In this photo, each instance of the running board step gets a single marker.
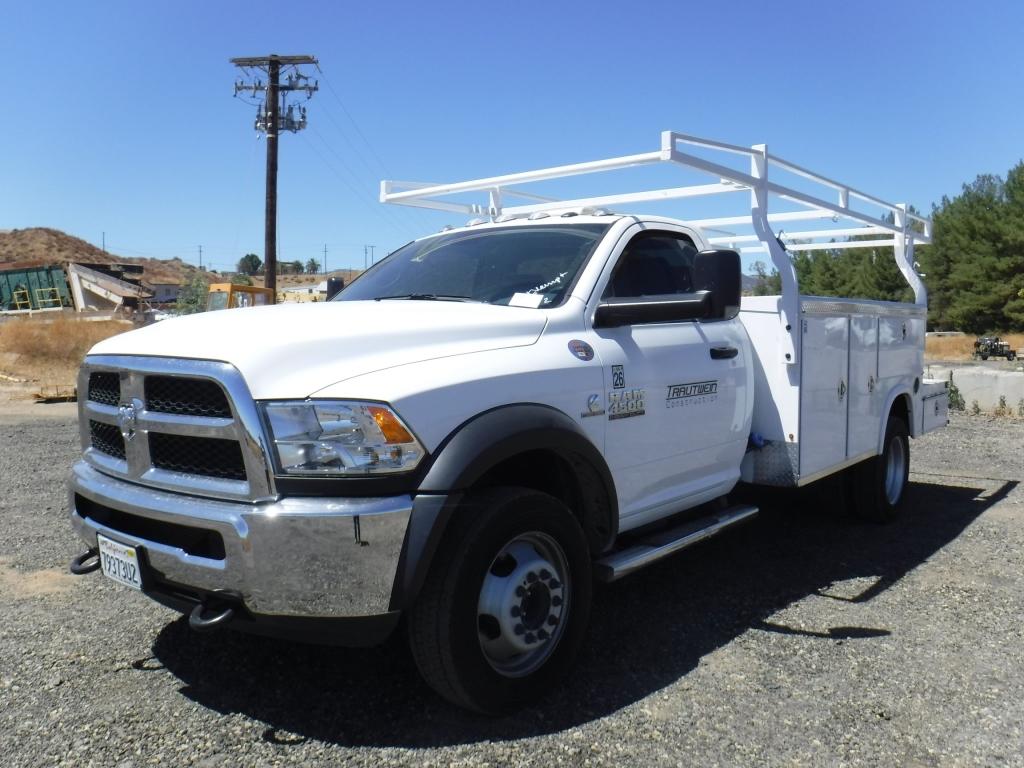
(664, 543)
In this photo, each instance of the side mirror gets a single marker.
(653, 309)
(718, 272)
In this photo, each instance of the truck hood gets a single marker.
(294, 350)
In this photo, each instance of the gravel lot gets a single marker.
(802, 639)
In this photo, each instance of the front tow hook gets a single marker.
(207, 623)
(81, 565)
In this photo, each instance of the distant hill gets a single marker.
(39, 246)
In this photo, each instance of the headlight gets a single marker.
(338, 437)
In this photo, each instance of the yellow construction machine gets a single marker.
(230, 296)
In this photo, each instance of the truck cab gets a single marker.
(487, 422)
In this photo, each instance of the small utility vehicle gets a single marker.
(992, 346)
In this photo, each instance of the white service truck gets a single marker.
(495, 416)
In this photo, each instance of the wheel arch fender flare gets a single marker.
(493, 436)
(897, 392)
(468, 453)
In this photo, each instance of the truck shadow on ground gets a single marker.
(668, 617)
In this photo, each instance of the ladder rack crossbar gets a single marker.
(697, 141)
(844, 246)
(810, 234)
(824, 180)
(674, 193)
(489, 184)
(774, 218)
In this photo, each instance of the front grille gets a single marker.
(106, 438)
(105, 387)
(187, 397)
(206, 456)
(194, 421)
(200, 542)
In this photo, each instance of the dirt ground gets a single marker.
(803, 638)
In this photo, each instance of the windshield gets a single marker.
(524, 266)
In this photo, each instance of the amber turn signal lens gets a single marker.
(389, 424)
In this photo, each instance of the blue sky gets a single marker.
(121, 117)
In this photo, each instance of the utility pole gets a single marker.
(325, 258)
(368, 256)
(269, 120)
(200, 257)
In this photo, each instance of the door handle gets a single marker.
(723, 353)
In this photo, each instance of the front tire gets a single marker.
(880, 483)
(506, 604)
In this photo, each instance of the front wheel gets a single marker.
(506, 603)
(880, 483)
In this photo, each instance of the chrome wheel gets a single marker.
(895, 470)
(523, 604)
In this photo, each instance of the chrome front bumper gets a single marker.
(296, 557)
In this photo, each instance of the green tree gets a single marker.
(768, 284)
(240, 279)
(312, 266)
(975, 265)
(250, 264)
(1013, 247)
(192, 297)
(825, 278)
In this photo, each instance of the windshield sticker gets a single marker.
(618, 377)
(581, 350)
(594, 407)
(530, 300)
(549, 284)
(622, 405)
(693, 393)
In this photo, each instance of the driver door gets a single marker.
(676, 391)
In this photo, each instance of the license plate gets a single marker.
(120, 562)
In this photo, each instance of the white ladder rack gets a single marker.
(904, 231)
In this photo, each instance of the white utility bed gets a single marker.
(824, 412)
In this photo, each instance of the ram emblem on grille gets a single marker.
(126, 414)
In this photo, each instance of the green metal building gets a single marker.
(34, 288)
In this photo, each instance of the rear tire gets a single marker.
(880, 483)
(506, 604)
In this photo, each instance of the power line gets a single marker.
(411, 213)
(330, 87)
(355, 192)
(384, 211)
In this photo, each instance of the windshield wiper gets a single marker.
(426, 297)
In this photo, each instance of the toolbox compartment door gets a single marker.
(824, 393)
(935, 404)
